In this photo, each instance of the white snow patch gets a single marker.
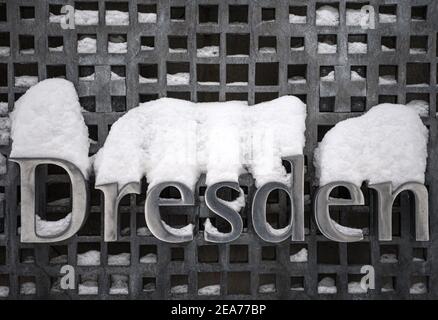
(143, 231)
(52, 228)
(88, 287)
(356, 288)
(355, 17)
(327, 286)
(357, 47)
(294, 18)
(121, 259)
(28, 288)
(115, 76)
(388, 258)
(267, 288)
(148, 17)
(418, 288)
(50, 109)
(327, 48)
(5, 51)
(208, 52)
(296, 80)
(89, 258)
(90, 77)
(119, 284)
(211, 290)
(179, 289)
(327, 16)
(329, 77)
(142, 79)
(222, 140)
(387, 18)
(117, 45)
(388, 143)
(355, 76)
(387, 80)
(417, 51)
(56, 49)
(116, 18)
(149, 258)
(300, 256)
(26, 81)
(387, 49)
(177, 79)
(86, 17)
(184, 231)
(420, 106)
(87, 45)
(4, 291)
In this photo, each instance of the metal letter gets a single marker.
(152, 211)
(28, 198)
(112, 199)
(323, 201)
(68, 280)
(386, 200)
(222, 209)
(296, 225)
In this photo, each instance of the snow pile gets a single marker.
(223, 140)
(211, 290)
(178, 79)
(418, 288)
(26, 81)
(356, 288)
(115, 76)
(327, 48)
(88, 285)
(300, 256)
(5, 51)
(357, 47)
(149, 258)
(387, 18)
(149, 287)
(329, 77)
(89, 258)
(117, 44)
(327, 285)
(147, 17)
(387, 80)
(50, 109)
(327, 16)
(388, 143)
(121, 259)
(267, 288)
(294, 18)
(420, 106)
(4, 291)
(119, 284)
(5, 127)
(417, 51)
(387, 49)
(142, 79)
(179, 289)
(87, 45)
(388, 258)
(86, 17)
(208, 52)
(116, 18)
(28, 288)
(3, 108)
(52, 228)
(296, 80)
(355, 76)
(61, 259)
(355, 17)
(144, 232)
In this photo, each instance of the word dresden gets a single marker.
(295, 229)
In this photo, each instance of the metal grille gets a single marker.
(241, 29)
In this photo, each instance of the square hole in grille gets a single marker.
(3, 12)
(27, 285)
(266, 74)
(119, 254)
(238, 14)
(238, 254)
(208, 253)
(268, 14)
(179, 284)
(328, 253)
(388, 13)
(209, 283)
(148, 254)
(418, 45)
(388, 254)
(58, 254)
(239, 283)
(26, 44)
(297, 43)
(208, 14)
(358, 253)
(418, 74)
(147, 13)
(237, 74)
(208, 74)
(177, 14)
(297, 283)
(177, 44)
(27, 13)
(418, 13)
(298, 14)
(238, 44)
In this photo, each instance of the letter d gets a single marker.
(28, 198)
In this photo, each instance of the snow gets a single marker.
(387, 80)
(179, 289)
(115, 76)
(418, 288)
(86, 17)
(356, 288)
(300, 256)
(177, 50)
(388, 143)
(50, 109)
(296, 80)
(117, 47)
(326, 48)
(146, 48)
(55, 18)
(87, 45)
(147, 17)
(27, 51)
(420, 106)
(119, 284)
(52, 228)
(356, 16)
(327, 16)
(357, 47)
(143, 231)
(142, 79)
(148, 287)
(56, 49)
(177, 79)
(4, 291)
(149, 258)
(3, 165)
(89, 258)
(388, 258)
(355, 76)
(417, 51)
(90, 77)
(222, 140)
(116, 18)
(61, 259)
(28, 288)
(329, 77)
(327, 286)
(294, 18)
(267, 50)
(26, 81)
(267, 288)
(183, 231)
(5, 51)
(88, 287)
(208, 52)
(297, 48)
(387, 49)
(211, 290)
(387, 18)
(121, 259)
